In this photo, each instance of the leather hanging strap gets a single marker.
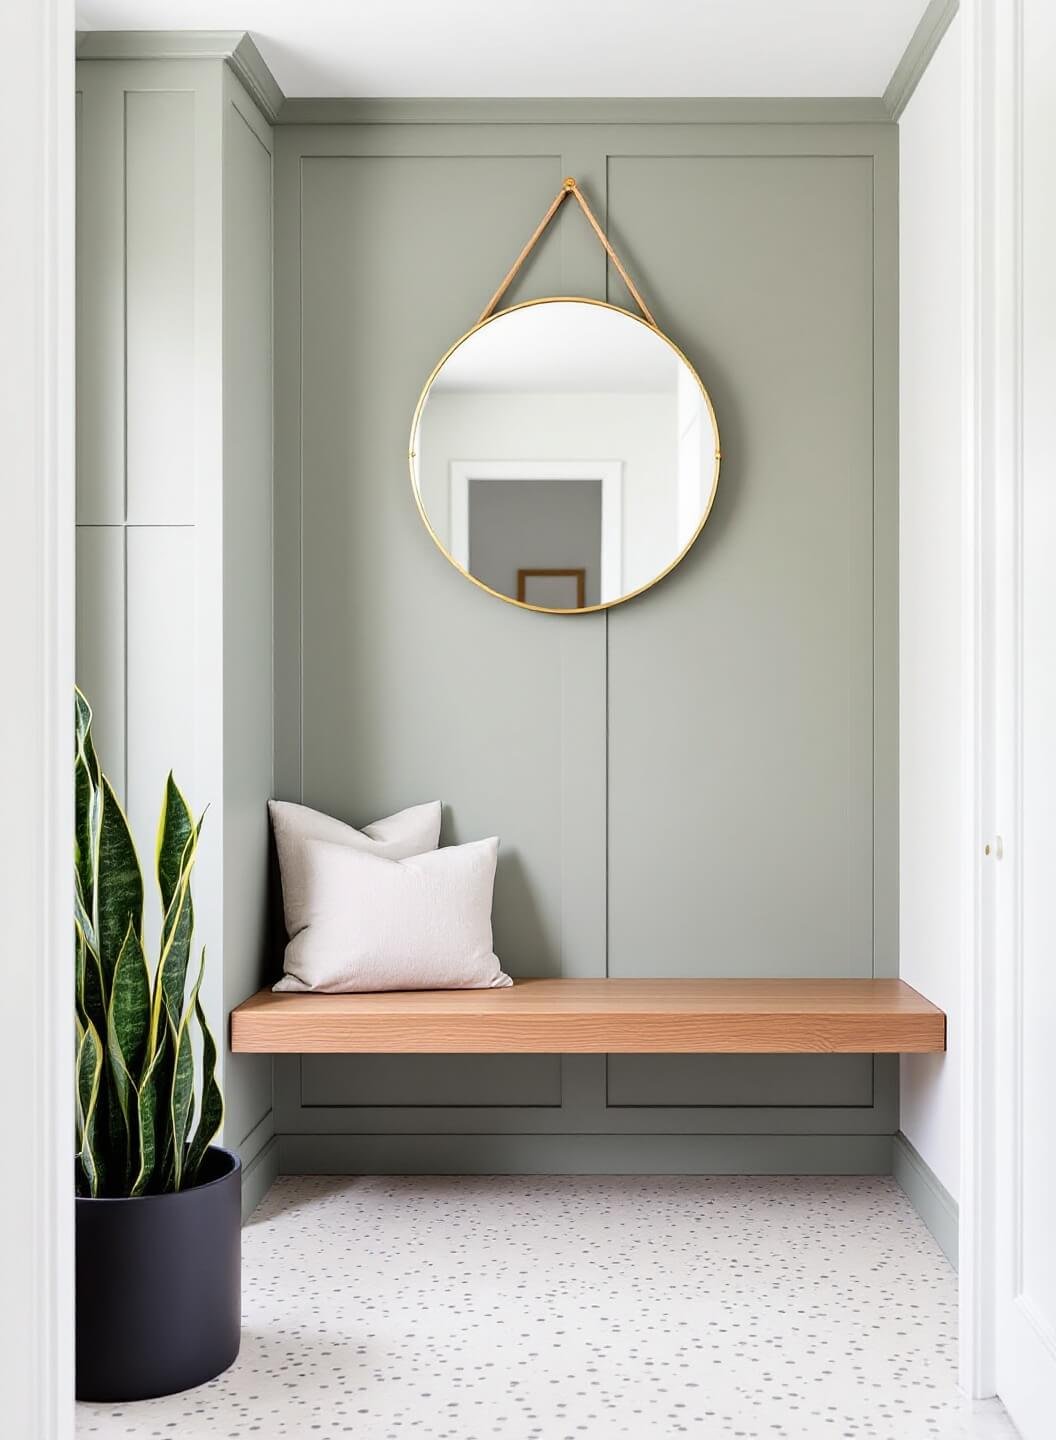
(568, 188)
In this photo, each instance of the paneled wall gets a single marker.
(174, 494)
(701, 782)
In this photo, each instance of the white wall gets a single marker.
(930, 813)
(640, 430)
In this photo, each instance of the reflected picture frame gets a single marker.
(577, 584)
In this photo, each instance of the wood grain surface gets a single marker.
(600, 1017)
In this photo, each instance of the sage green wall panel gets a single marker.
(744, 682)
(160, 699)
(747, 678)
(160, 184)
(100, 439)
(686, 784)
(370, 1098)
(412, 690)
(100, 640)
(356, 1081)
(779, 1081)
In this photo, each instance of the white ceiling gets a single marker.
(550, 47)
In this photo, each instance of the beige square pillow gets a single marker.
(410, 832)
(369, 923)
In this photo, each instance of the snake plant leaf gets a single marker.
(176, 935)
(91, 999)
(80, 1033)
(182, 1098)
(118, 883)
(89, 1071)
(174, 831)
(212, 1107)
(86, 831)
(127, 1035)
(86, 800)
(80, 961)
(137, 1042)
(86, 811)
(82, 913)
(82, 717)
(162, 1071)
(117, 1136)
(128, 1013)
(147, 1118)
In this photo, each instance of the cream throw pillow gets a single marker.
(370, 923)
(410, 832)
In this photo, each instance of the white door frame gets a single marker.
(1006, 1342)
(991, 567)
(609, 472)
(36, 642)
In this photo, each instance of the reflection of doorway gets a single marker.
(511, 515)
(517, 526)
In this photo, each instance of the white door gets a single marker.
(1025, 951)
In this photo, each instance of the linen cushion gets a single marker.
(373, 923)
(409, 832)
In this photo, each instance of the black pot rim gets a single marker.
(232, 1168)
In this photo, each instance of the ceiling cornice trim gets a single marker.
(234, 47)
(917, 55)
(251, 68)
(557, 111)
(237, 49)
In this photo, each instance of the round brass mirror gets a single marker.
(564, 455)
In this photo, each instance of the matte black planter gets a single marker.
(159, 1287)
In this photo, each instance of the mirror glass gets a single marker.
(564, 455)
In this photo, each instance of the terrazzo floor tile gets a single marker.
(583, 1308)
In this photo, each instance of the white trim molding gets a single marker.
(36, 640)
(609, 472)
(992, 401)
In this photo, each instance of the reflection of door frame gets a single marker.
(609, 472)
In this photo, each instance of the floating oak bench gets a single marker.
(598, 1017)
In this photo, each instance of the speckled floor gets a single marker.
(558, 1308)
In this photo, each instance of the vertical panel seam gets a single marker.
(300, 477)
(124, 306)
(875, 541)
(124, 433)
(604, 170)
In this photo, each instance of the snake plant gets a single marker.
(136, 1042)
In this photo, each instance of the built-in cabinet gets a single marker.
(174, 490)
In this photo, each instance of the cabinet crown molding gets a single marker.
(234, 47)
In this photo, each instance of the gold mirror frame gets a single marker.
(489, 319)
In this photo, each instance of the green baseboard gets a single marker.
(259, 1176)
(585, 1154)
(928, 1196)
